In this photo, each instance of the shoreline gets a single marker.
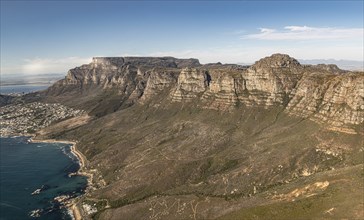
(72, 204)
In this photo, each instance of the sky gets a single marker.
(53, 36)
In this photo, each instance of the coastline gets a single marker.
(72, 204)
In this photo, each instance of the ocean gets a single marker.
(21, 88)
(40, 169)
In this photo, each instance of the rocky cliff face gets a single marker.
(226, 89)
(323, 92)
(116, 71)
(270, 80)
(337, 99)
(126, 80)
(191, 84)
(158, 81)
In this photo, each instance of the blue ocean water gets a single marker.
(21, 88)
(26, 167)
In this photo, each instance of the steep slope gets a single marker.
(111, 83)
(336, 99)
(173, 139)
(154, 159)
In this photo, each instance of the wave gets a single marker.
(67, 151)
(4, 204)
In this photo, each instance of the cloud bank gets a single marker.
(35, 66)
(43, 65)
(306, 33)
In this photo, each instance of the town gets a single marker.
(25, 119)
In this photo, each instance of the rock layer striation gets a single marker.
(323, 92)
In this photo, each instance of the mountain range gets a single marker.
(169, 138)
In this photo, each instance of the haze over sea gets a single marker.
(26, 167)
(20, 89)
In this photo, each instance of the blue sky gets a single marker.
(53, 36)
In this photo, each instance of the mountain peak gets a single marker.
(277, 60)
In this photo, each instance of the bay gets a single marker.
(26, 167)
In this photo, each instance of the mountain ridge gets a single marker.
(322, 92)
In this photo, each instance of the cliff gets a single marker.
(323, 93)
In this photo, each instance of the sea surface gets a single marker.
(26, 167)
(21, 88)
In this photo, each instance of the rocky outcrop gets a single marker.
(307, 96)
(271, 79)
(225, 89)
(331, 68)
(158, 81)
(191, 84)
(336, 99)
(343, 102)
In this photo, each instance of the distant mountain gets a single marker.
(352, 65)
(24, 79)
(343, 64)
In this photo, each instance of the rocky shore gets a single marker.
(72, 204)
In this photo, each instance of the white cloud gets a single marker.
(44, 65)
(306, 33)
